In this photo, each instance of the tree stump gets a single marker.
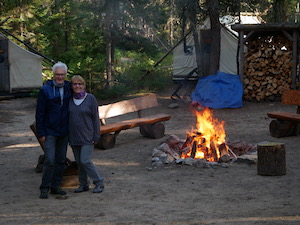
(106, 141)
(271, 159)
(156, 130)
(283, 128)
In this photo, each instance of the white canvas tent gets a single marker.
(185, 62)
(20, 69)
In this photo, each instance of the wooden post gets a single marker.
(271, 159)
(294, 59)
(241, 64)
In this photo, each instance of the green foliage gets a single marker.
(115, 91)
(34, 93)
(135, 73)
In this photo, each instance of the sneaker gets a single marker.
(98, 188)
(57, 191)
(44, 195)
(81, 188)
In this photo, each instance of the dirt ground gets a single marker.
(136, 193)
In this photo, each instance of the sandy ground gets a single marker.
(136, 193)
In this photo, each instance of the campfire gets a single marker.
(203, 146)
(207, 140)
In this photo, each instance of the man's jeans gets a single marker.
(55, 157)
(86, 167)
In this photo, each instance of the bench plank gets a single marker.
(127, 106)
(128, 124)
(285, 116)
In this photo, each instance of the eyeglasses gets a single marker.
(60, 74)
(75, 84)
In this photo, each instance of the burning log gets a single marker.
(223, 149)
(188, 141)
(214, 154)
(194, 149)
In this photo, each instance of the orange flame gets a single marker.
(208, 140)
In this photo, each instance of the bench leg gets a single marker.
(156, 130)
(106, 141)
(283, 128)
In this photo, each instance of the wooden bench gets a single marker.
(150, 126)
(286, 123)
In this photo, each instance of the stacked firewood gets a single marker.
(267, 68)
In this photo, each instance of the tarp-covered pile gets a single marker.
(221, 90)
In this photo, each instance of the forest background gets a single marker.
(121, 46)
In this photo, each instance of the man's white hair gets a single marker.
(60, 65)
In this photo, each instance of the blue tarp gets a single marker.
(218, 91)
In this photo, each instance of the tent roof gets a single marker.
(267, 27)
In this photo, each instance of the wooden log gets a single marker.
(70, 181)
(33, 128)
(106, 141)
(40, 164)
(283, 128)
(188, 141)
(71, 169)
(267, 68)
(214, 151)
(156, 130)
(271, 159)
(194, 149)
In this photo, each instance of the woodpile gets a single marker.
(267, 67)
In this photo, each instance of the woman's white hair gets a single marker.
(60, 65)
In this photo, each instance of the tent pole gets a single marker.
(165, 55)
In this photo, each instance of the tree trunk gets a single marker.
(193, 5)
(109, 42)
(213, 10)
(279, 11)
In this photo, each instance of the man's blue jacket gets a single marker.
(52, 112)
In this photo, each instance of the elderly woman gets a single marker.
(84, 126)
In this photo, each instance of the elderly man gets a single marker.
(52, 128)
